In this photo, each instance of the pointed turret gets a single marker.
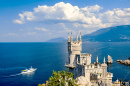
(76, 37)
(104, 66)
(68, 38)
(97, 59)
(71, 37)
(104, 60)
(80, 36)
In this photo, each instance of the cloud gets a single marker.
(21, 20)
(61, 12)
(42, 29)
(13, 34)
(116, 17)
(86, 17)
(32, 33)
(18, 21)
(95, 8)
(21, 16)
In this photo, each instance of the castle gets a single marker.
(84, 71)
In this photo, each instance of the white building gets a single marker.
(80, 64)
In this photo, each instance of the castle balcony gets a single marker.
(109, 74)
(70, 65)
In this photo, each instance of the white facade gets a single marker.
(80, 64)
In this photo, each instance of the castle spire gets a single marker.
(97, 59)
(76, 37)
(68, 38)
(80, 36)
(104, 60)
(71, 37)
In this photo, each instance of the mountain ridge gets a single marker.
(110, 34)
(113, 34)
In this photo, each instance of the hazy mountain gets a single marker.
(111, 34)
(59, 39)
(114, 34)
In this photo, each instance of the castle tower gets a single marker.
(68, 38)
(76, 38)
(71, 37)
(97, 59)
(73, 49)
(104, 66)
(80, 36)
(104, 60)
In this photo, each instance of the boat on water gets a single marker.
(27, 71)
(109, 59)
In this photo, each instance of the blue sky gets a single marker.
(41, 20)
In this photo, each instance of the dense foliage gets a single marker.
(61, 78)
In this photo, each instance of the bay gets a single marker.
(47, 57)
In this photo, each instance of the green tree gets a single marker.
(62, 78)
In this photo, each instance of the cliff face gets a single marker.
(111, 34)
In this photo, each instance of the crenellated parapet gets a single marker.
(90, 67)
(74, 47)
(83, 58)
(70, 38)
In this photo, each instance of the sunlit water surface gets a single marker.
(47, 57)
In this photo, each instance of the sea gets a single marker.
(46, 57)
